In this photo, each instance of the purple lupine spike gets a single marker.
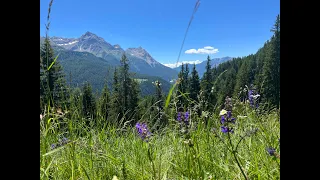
(143, 131)
(224, 129)
(138, 126)
(186, 116)
(229, 114)
(179, 116)
(223, 120)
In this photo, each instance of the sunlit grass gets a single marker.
(101, 153)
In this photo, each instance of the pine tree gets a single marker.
(124, 82)
(242, 80)
(194, 86)
(260, 58)
(206, 85)
(52, 80)
(186, 85)
(105, 103)
(271, 69)
(180, 88)
(133, 98)
(116, 106)
(128, 91)
(88, 101)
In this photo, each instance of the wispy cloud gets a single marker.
(204, 50)
(173, 65)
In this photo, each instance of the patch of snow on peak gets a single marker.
(67, 43)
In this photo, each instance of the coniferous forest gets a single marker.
(224, 125)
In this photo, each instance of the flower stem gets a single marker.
(235, 157)
(151, 159)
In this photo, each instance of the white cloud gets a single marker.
(208, 47)
(173, 65)
(204, 50)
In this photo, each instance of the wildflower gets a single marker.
(226, 129)
(179, 116)
(228, 103)
(186, 118)
(253, 97)
(229, 114)
(226, 116)
(186, 115)
(271, 151)
(223, 120)
(250, 97)
(183, 117)
(229, 118)
(222, 112)
(64, 140)
(233, 120)
(143, 130)
(53, 146)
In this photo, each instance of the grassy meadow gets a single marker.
(102, 152)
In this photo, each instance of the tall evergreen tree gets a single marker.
(194, 86)
(186, 85)
(180, 88)
(116, 105)
(260, 59)
(88, 101)
(52, 80)
(128, 91)
(105, 103)
(124, 82)
(133, 98)
(206, 87)
(271, 69)
(242, 80)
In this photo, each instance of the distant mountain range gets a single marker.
(140, 60)
(201, 67)
(91, 58)
(84, 65)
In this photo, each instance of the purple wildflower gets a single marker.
(186, 116)
(253, 97)
(271, 151)
(233, 120)
(143, 130)
(179, 116)
(250, 95)
(223, 120)
(53, 146)
(64, 140)
(226, 129)
(229, 114)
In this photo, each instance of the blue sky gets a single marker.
(222, 28)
